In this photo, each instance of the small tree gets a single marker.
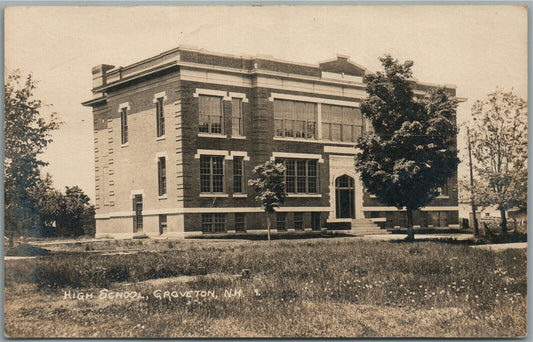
(27, 134)
(499, 147)
(412, 151)
(269, 183)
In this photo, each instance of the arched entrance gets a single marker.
(344, 197)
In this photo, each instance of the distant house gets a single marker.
(176, 137)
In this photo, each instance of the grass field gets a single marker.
(336, 287)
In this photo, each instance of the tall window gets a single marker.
(214, 223)
(124, 125)
(162, 224)
(212, 174)
(160, 117)
(299, 221)
(281, 221)
(300, 175)
(341, 123)
(210, 110)
(240, 222)
(138, 217)
(162, 175)
(238, 169)
(237, 128)
(295, 119)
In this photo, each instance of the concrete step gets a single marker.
(369, 232)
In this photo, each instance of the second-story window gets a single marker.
(340, 123)
(238, 174)
(237, 128)
(295, 119)
(160, 117)
(212, 174)
(210, 114)
(162, 176)
(124, 126)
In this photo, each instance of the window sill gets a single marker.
(442, 197)
(208, 135)
(125, 145)
(213, 195)
(160, 138)
(164, 197)
(304, 195)
(240, 195)
(242, 137)
(316, 141)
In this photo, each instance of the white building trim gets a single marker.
(137, 192)
(238, 96)
(312, 99)
(239, 154)
(159, 96)
(123, 105)
(201, 152)
(296, 156)
(212, 92)
(340, 149)
(431, 208)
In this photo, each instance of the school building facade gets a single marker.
(176, 137)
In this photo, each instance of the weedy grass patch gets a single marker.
(303, 288)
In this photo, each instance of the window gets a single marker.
(124, 126)
(315, 221)
(295, 119)
(212, 174)
(237, 128)
(160, 117)
(238, 169)
(162, 175)
(281, 221)
(298, 221)
(240, 222)
(341, 123)
(214, 223)
(300, 176)
(138, 217)
(162, 224)
(210, 114)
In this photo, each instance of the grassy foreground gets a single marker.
(302, 288)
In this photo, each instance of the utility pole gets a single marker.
(476, 228)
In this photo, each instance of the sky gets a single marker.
(479, 48)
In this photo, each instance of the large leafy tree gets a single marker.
(268, 182)
(27, 133)
(499, 147)
(412, 149)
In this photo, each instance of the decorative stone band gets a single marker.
(181, 211)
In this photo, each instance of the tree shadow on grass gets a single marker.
(451, 241)
(274, 236)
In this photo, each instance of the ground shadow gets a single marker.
(275, 236)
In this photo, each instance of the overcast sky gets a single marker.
(477, 48)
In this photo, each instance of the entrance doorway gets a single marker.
(344, 197)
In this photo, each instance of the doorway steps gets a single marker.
(362, 226)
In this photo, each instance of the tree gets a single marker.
(269, 183)
(47, 202)
(74, 209)
(412, 150)
(499, 147)
(27, 134)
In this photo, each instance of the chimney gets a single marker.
(99, 74)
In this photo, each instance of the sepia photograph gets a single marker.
(277, 171)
